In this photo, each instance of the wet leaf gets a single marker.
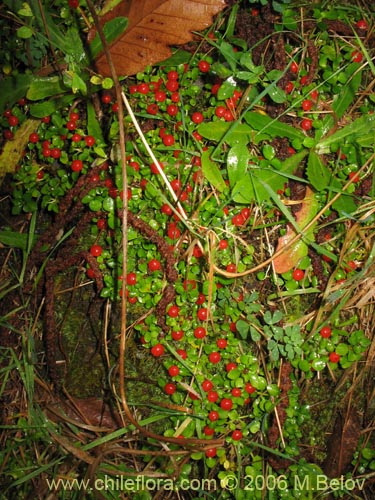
(231, 133)
(271, 127)
(153, 27)
(317, 173)
(237, 161)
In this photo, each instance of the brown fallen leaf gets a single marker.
(153, 27)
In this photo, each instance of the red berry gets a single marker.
(76, 137)
(222, 343)
(334, 357)
(204, 66)
(236, 392)
(202, 314)
(197, 252)
(77, 165)
(357, 56)
(306, 124)
(8, 134)
(197, 117)
(214, 357)
(230, 366)
(173, 232)
(154, 168)
(175, 97)
(208, 431)
(213, 416)
(231, 268)
(207, 385)
(212, 396)
(362, 24)
(168, 140)
(298, 274)
(71, 125)
(46, 119)
(173, 370)
(73, 4)
(170, 388)
(238, 220)
(289, 87)
(223, 244)
(353, 176)
(13, 121)
(96, 250)
(34, 138)
(106, 98)
(220, 111)
(326, 332)
(89, 140)
(154, 265)
(55, 153)
(294, 67)
(226, 404)
(201, 299)
(157, 350)
(40, 175)
(173, 311)
(314, 94)
(152, 109)
(131, 279)
(200, 332)
(210, 452)
(143, 88)
(101, 224)
(182, 353)
(303, 80)
(177, 335)
(172, 85)
(172, 75)
(306, 105)
(249, 388)
(237, 435)
(115, 107)
(172, 109)
(166, 209)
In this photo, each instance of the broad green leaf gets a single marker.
(45, 108)
(318, 174)
(42, 87)
(212, 172)
(13, 151)
(237, 162)
(13, 88)
(25, 11)
(231, 133)
(93, 126)
(230, 56)
(251, 187)
(112, 29)
(14, 239)
(272, 127)
(78, 85)
(362, 126)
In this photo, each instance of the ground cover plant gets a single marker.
(188, 256)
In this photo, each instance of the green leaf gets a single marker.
(237, 162)
(46, 108)
(93, 126)
(272, 127)
(318, 174)
(42, 87)
(25, 11)
(355, 130)
(24, 32)
(78, 85)
(343, 101)
(211, 171)
(231, 133)
(14, 239)
(112, 30)
(226, 89)
(277, 94)
(13, 88)
(227, 51)
(252, 186)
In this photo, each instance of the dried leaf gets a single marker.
(294, 253)
(154, 26)
(14, 149)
